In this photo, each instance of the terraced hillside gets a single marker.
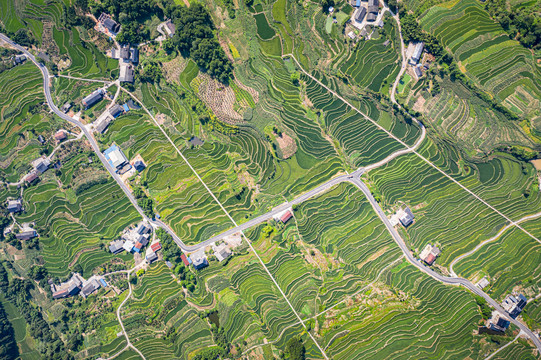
(501, 181)
(501, 66)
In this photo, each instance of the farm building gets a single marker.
(286, 216)
(65, 108)
(156, 246)
(143, 229)
(15, 206)
(417, 52)
(142, 239)
(112, 26)
(514, 305)
(116, 246)
(498, 322)
(41, 164)
(26, 234)
(407, 217)
(429, 254)
(222, 252)
(103, 283)
(351, 35)
(151, 256)
(31, 176)
(138, 246)
(418, 72)
(126, 74)
(169, 28)
(199, 260)
(116, 110)
(102, 123)
(115, 157)
(68, 288)
(19, 59)
(60, 136)
(139, 165)
(184, 260)
(361, 13)
(90, 286)
(93, 98)
(483, 283)
(128, 245)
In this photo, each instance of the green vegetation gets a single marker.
(195, 38)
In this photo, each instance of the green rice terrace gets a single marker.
(270, 180)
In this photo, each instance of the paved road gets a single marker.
(444, 279)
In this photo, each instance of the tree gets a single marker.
(295, 349)
(295, 78)
(326, 4)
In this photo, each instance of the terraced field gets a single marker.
(511, 262)
(72, 225)
(499, 65)
(521, 349)
(19, 128)
(371, 62)
(447, 214)
(466, 119)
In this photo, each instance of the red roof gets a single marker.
(31, 177)
(138, 245)
(286, 216)
(184, 260)
(156, 246)
(430, 259)
(60, 135)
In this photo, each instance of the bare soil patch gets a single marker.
(537, 164)
(219, 98)
(287, 145)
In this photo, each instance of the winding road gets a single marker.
(353, 178)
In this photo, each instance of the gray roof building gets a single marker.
(116, 246)
(199, 262)
(142, 229)
(116, 110)
(407, 218)
(126, 74)
(151, 257)
(417, 52)
(111, 25)
(170, 28)
(139, 165)
(417, 72)
(93, 98)
(41, 164)
(361, 13)
(15, 206)
(372, 16)
(90, 287)
(103, 123)
(27, 234)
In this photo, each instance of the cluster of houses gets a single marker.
(133, 241)
(25, 232)
(199, 259)
(416, 55)
(371, 8)
(128, 58)
(39, 166)
(108, 116)
(77, 285)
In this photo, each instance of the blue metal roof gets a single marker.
(103, 283)
(126, 107)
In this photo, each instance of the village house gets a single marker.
(69, 288)
(169, 28)
(14, 206)
(184, 260)
(116, 246)
(60, 136)
(417, 52)
(93, 98)
(361, 13)
(514, 305)
(115, 157)
(41, 164)
(222, 252)
(89, 287)
(406, 217)
(126, 74)
(112, 26)
(199, 259)
(26, 234)
(30, 177)
(19, 59)
(498, 322)
(429, 254)
(286, 216)
(65, 108)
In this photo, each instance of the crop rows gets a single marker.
(447, 214)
